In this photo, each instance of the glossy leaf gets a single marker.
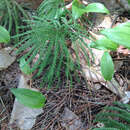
(97, 8)
(25, 68)
(119, 34)
(104, 44)
(79, 9)
(29, 98)
(107, 66)
(4, 35)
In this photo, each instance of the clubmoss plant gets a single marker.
(49, 37)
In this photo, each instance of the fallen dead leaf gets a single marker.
(71, 121)
(103, 21)
(23, 117)
(94, 74)
(5, 58)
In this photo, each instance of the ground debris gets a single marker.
(5, 58)
(23, 117)
(71, 121)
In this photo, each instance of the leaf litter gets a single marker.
(82, 100)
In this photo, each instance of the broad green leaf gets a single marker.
(104, 44)
(119, 34)
(129, 2)
(4, 35)
(29, 98)
(25, 68)
(79, 9)
(107, 66)
(97, 8)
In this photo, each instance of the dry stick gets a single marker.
(4, 108)
(51, 122)
(61, 102)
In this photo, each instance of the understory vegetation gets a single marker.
(51, 42)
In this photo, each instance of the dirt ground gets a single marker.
(80, 99)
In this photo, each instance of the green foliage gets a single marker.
(105, 128)
(29, 98)
(104, 44)
(79, 9)
(120, 35)
(11, 15)
(107, 66)
(116, 117)
(50, 9)
(47, 41)
(47, 38)
(97, 8)
(4, 35)
(25, 68)
(128, 2)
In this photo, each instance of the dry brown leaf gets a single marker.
(124, 4)
(94, 74)
(103, 21)
(71, 121)
(5, 58)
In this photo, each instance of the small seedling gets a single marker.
(120, 35)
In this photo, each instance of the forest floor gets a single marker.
(80, 100)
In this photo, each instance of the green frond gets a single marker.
(22, 41)
(113, 123)
(58, 71)
(46, 58)
(46, 37)
(116, 116)
(112, 115)
(105, 128)
(26, 46)
(125, 106)
(49, 8)
(117, 109)
(12, 15)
